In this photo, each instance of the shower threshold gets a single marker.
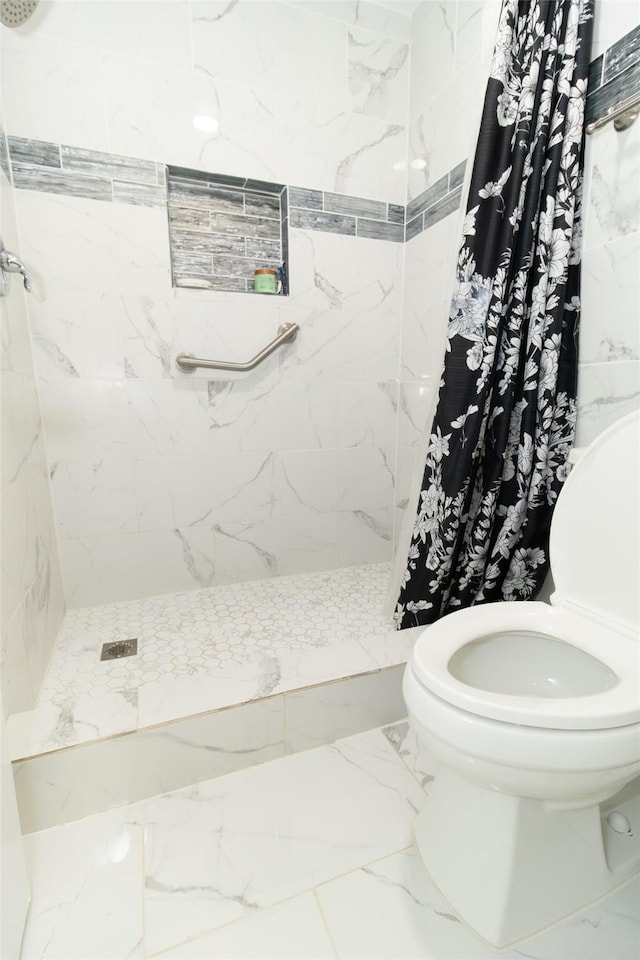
(223, 678)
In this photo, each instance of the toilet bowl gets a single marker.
(533, 714)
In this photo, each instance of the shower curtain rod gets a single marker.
(623, 113)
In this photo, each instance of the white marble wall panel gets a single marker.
(366, 536)
(416, 398)
(606, 392)
(433, 47)
(610, 327)
(370, 16)
(58, 90)
(474, 25)
(327, 713)
(95, 497)
(130, 565)
(427, 298)
(86, 419)
(87, 245)
(304, 543)
(445, 132)
(359, 340)
(611, 20)
(378, 76)
(120, 28)
(369, 414)
(73, 339)
(609, 372)
(451, 50)
(31, 597)
(226, 487)
(271, 47)
(251, 416)
(612, 162)
(309, 481)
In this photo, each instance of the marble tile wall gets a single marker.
(309, 94)
(451, 45)
(609, 372)
(31, 597)
(164, 481)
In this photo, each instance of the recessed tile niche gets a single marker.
(221, 229)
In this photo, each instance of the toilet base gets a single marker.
(511, 866)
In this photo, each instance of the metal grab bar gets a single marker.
(622, 113)
(188, 363)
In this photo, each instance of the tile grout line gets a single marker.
(325, 921)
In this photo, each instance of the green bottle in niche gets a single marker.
(265, 280)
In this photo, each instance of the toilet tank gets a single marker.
(595, 532)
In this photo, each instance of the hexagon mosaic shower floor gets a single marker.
(205, 649)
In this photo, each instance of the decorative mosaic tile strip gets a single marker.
(349, 216)
(27, 177)
(93, 174)
(595, 74)
(436, 202)
(614, 76)
(326, 222)
(624, 85)
(622, 54)
(221, 229)
(4, 155)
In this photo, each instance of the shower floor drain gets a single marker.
(119, 648)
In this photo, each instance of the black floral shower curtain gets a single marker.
(505, 420)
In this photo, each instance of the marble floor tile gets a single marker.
(86, 886)
(289, 931)
(422, 764)
(309, 856)
(390, 909)
(220, 851)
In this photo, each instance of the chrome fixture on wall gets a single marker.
(622, 114)
(10, 263)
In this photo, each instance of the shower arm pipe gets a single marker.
(188, 363)
(623, 113)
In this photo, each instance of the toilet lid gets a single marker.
(595, 532)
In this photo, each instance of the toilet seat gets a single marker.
(615, 707)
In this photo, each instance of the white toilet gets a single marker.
(533, 713)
